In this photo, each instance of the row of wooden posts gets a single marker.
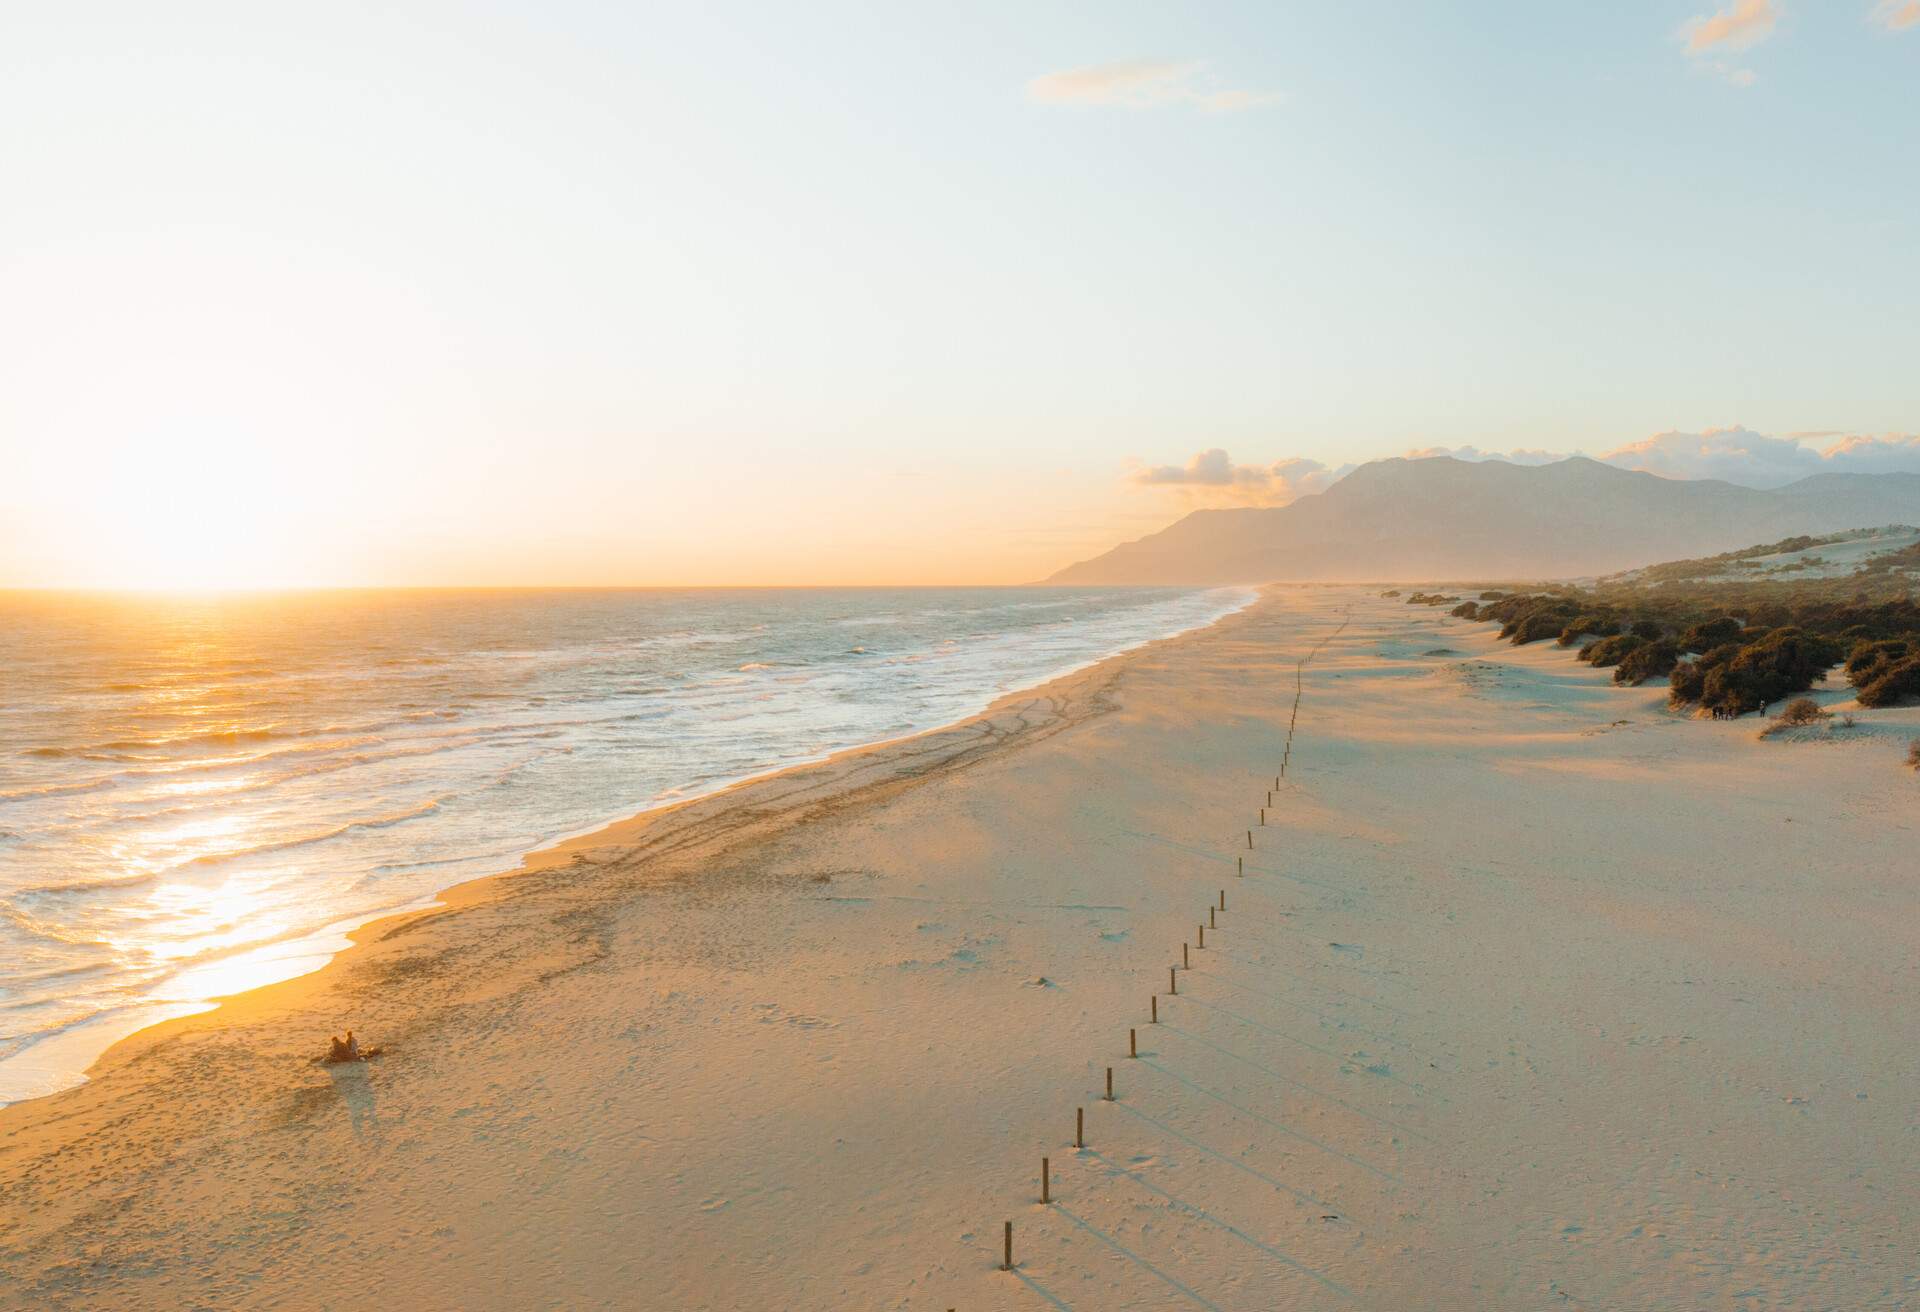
(1173, 976)
(1133, 1050)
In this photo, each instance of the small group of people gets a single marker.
(1725, 713)
(347, 1049)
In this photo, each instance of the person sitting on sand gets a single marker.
(353, 1047)
(337, 1050)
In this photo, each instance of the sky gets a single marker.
(766, 293)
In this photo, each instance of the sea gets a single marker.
(200, 794)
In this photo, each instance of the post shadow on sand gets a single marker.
(353, 1081)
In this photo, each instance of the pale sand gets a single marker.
(1535, 996)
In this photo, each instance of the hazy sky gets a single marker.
(808, 292)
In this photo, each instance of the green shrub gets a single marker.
(1867, 661)
(1601, 626)
(1895, 683)
(1535, 627)
(1650, 660)
(1611, 651)
(1712, 633)
(1803, 710)
(1786, 661)
(1690, 677)
(1646, 629)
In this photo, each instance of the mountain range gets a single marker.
(1439, 518)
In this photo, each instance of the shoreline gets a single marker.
(1521, 993)
(136, 1019)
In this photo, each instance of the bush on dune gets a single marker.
(1711, 634)
(1868, 660)
(1690, 677)
(1895, 683)
(1802, 710)
(1650, 660)
(1534, 627)
(1758, 643)
(1786, 661)
(1600, 626)
(1611, 651)
(1527, 619)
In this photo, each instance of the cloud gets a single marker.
(1740, 26)
(1524, 457)
(1897, 15)
(1737, 455)
(1740, 455)
(1211, 477)
(1143, 84)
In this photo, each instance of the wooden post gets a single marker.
(1008, 1264)
(1109, 1084)
(1156, 1010)
(1223, 899)
(1133, 1043)
(1263, 817)
(1249, 840)
(1044, 1198)
(1211, 922)
(1173, 980)
(1240, 866)
(1203, 936)
(1185, 960)
(1079, 1127)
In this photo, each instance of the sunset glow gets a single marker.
(293, 300)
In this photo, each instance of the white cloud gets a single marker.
(1211, 477)
(1740, 26)
(1144, 84)
(1896, 15)
(1523, 457)
(1740, 455)
(1737, 455)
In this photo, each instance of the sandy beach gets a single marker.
(1532, 995)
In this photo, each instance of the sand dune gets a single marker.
(1532, 996)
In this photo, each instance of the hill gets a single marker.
(1441, 518)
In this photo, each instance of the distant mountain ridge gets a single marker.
(1441, 518)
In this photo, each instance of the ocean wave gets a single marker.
(516, 748)
(264, 733)
(97, 884)
(324, 836)
(55, 790)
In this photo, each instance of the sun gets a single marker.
(205, 517)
